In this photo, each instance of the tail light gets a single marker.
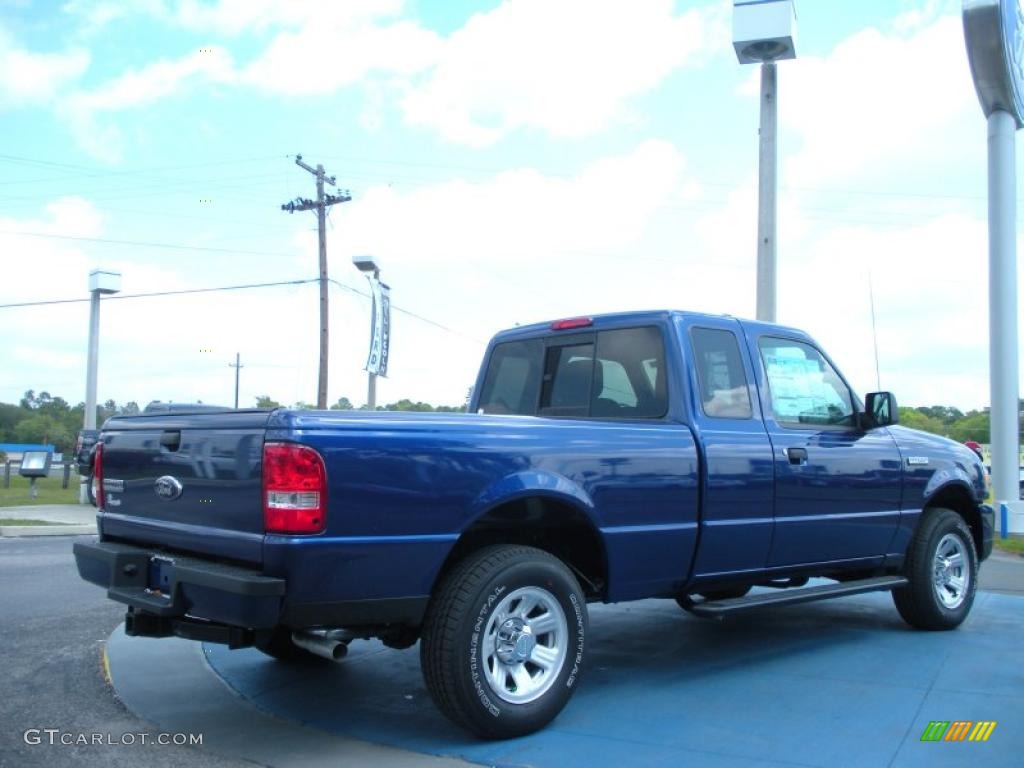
(294, 489)
(97, 471)
(572, 322)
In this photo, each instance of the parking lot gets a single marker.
(835, 683)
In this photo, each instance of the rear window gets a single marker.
(610, 374)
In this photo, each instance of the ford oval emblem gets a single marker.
(167, 488)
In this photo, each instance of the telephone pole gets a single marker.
(320, 206)
(237, 365)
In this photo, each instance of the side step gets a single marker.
(720, 608)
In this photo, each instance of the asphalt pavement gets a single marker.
(52, 634)
(55, 626)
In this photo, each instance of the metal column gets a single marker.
(767, 190)
(93, 360)
(1002, 291)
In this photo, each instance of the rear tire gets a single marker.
(503, 641)
(942, 566)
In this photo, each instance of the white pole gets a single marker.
(94, 351)
(1002, 290)
(766, 194)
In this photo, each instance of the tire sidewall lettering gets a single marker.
(474, 650)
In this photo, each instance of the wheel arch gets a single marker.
(957, 497)
(557, 522)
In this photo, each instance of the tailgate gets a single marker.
(189, 482)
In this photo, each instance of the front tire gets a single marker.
(942, 566)
(503, 641)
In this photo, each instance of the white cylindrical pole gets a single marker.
(1002, 290)
(767, 190)
(94, 351)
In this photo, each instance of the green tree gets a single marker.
(343, 404)
(915, 419)
(265, 401)
(974, 426)
(40, 428)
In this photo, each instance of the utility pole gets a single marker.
(320, 206)
(237, 365)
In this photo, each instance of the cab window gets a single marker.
(804, 389)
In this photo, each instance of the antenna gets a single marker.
(874, 330)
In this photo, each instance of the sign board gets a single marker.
(380, 328)
(994, 31)
(35, 464)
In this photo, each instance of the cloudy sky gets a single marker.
(509, 161)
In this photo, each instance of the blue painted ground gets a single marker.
(837, 683)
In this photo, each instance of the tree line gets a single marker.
(43, 418)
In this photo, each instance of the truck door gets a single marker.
(837, 486)
(738, 476)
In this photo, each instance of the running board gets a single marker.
(719, 608)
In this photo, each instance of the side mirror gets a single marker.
(880, 410)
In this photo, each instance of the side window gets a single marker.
(568, 372)
(804, 388)
(629, 378)
(723, 384)
(512, 382)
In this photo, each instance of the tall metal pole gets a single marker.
(321, 218)
(93, 360)
(371, 385)
(237, 366)
(1002, 292)
(767, 190)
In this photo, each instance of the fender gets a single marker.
(532, 482)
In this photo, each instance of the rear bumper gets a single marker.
(188, 586)
(988, 526)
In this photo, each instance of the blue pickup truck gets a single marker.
(620, 457)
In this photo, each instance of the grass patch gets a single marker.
(1016, 546)
(20, 521)
(49, 488)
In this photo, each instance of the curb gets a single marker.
(9, 531)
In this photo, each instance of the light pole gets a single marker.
(994, 32)
(380, 325)
(765, 31)
(100, 282)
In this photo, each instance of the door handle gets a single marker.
(797, 455)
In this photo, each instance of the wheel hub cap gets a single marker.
(525, 645)
(951, 575)
(515, 641)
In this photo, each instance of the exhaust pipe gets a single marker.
(320, 645)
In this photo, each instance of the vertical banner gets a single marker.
(380, 328)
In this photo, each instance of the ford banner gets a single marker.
(380, 328)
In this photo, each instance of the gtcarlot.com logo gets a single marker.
(53, 736)
(958, 730)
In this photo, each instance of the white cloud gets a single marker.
(881, 100)
(85, 109)
(569, 68)
(30, 78)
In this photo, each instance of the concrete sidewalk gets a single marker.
(65, 520)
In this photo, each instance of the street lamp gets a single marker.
(380, 325)
(994, 32)
(100, 282)
(765, 31)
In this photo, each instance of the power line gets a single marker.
(161, 293)
(414, 315)
(143, 243)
